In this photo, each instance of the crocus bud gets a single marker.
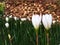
(7, 25)
(36, 21)
(47, 21)
(7, 19)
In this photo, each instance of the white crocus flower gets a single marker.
(7, 25)
(36, 21)
(15, 18)
(47, 21)
(7, 19)
(23, 19)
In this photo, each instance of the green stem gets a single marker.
(10, 42)
(47, 36)
(36, 38)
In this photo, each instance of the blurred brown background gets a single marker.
(25, 8)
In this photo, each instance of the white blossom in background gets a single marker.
(58, 16)
(57, 20)
(10, 16)
(16, 18)
(54, 21)
(7, 25)
(20, 22)
(23, 19)
(47, 21)
(9, 36)
(7, 19)
(28, 18)
(36, 21)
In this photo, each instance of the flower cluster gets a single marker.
(45, 19)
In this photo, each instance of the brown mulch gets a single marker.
(27, 8)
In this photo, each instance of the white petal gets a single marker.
(40, 19)
(50, 21)
(44, 21)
